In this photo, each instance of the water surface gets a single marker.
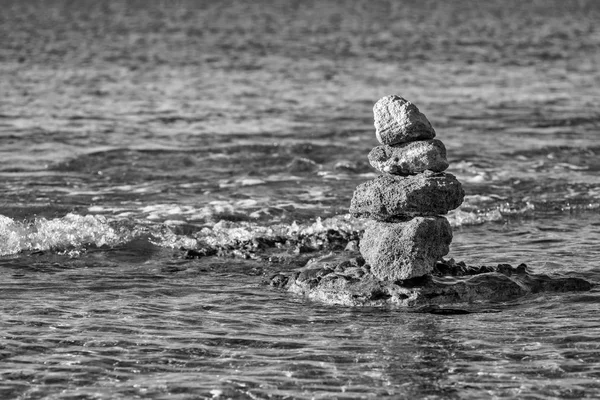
(133, 131)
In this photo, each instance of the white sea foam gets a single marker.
(72, 230)
(162, 222)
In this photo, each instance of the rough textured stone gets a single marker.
(399, 121)
(404, 250)
(393, 197)
(344, 279)
(410, 158)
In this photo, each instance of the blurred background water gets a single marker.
(131, 131)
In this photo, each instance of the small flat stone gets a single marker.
(410, 158)
(405, 250)
(394, 197)
(397, 121)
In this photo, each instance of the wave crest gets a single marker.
(72, 230)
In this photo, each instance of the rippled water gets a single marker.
(134, 131)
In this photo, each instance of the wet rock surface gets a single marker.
(405, 250)
(392, 197)
(397, 121)
(410, 158)
(345, 279)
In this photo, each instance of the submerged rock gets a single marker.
(301, 164)
(393, 197)
(344, 279)
(410, 158)
(397, 121)
(404, 250)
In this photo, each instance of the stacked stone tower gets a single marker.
(407, 233)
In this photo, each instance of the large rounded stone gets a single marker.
(393, 197)
(404, 250)
(410, 158)
(397, 121)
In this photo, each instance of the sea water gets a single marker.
(132, 132)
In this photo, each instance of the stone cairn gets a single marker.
(407, 233)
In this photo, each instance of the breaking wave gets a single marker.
(76, 232)
(70, 231)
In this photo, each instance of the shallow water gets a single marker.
(131, 131)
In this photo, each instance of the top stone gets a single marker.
(399, 121)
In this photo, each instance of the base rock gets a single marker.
(345, 279)
(404, 250)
